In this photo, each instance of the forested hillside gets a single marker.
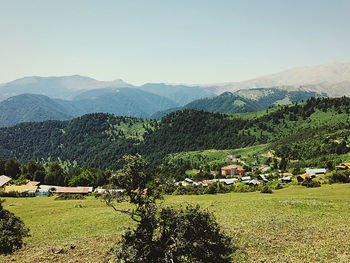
(315, 127)
(96, 140)
(119, 101)
(242, 101)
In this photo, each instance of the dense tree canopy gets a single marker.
(12, 231)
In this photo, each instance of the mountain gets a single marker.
(321, 76)
(55, 87)
(180, 94)
(118, 101)
(30, 107)
(122, 101)
(313, 128)
(245, 101)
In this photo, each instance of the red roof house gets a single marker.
(72, 190)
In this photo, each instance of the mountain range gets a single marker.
(331, 78)
(62, 98)
(245, 101)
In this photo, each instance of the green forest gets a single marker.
(300, 131)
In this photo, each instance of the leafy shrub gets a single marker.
(66, 196)
(13, 194)
(185, 235)
(12, 231)
(189, 190)
(274, 185)
(310, 183)
(163, 234)
(339, 177)
(266, 190)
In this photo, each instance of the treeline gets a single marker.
(94, 140)
(53, 173)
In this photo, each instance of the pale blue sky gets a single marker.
(180, 41)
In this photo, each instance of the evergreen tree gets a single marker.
(12, 169)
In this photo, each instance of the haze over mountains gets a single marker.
(313, 78)
(63, 98)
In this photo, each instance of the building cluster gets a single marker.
(232, 173)
(31, 188)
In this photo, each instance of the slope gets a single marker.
(100, 139)
(118, 101)
(245, 101)
(30, 107)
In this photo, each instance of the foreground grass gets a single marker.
(295, 224)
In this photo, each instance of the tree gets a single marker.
(30, 168)
(39, 176)
(85, 178)
(163, 234)
(2, 167)
(12, 231)
(55, 174)
(283, 164)
(12, 168)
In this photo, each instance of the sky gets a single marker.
(180, 41)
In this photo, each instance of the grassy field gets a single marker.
(212, 157)
(295, 224)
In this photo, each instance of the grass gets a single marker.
(295, 224)
(211, 157)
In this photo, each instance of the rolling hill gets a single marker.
(318, 127)
(245, 101)
(118, 101)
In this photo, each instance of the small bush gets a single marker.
(14, 194)
(66, 196)
(12, 231)
(310, 183)
(266, 190)
(339, 177)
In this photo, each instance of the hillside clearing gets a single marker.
(295, 224)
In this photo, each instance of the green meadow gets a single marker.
(294, 224)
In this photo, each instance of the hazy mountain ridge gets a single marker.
(322, 76)
(118, 101)
(332, 78)
(120, 98)
(65, 87)
(180, 94)
(245, 101)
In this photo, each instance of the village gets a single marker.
(230, 175)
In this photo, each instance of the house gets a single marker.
(314, 172)
(232, 170)
(21, 189)
(343, 166)
(32, 183)
(245, 178)
(205, 183)
(4, 180)
(261, 177)
(302, 177)
(102, 190)
(253, 182)
(225, 181)
(71, 190)
(286, 179)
